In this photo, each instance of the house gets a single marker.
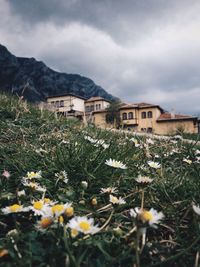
(145, 117)
(69, 105)
(95, 110)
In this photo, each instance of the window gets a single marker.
(61, 103)
(149, 130)
(92, 108)
(98, 106)
(149, 114)
(57, 104)
(52, 103)
(143, 129)
(124, 116)
(144, 115)
(87, 109)
(130, 115)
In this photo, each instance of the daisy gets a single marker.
(34, 175)
(39, 208)
(135, 141)
(150, 141)
(115, 200)
(62, 176)
(109, 190)
(44, 222)
(14, 209)
(196, 209)
(6, 174)
(83, 224)
(33, 185)
(115, 164)
(153, 164)
(152, 217)
(59, 209)
(144, 179)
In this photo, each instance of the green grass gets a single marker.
(31, 140)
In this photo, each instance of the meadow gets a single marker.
(75, 195)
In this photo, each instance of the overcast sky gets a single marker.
(138, 50)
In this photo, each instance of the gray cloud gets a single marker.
(137, 50)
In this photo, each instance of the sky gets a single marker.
(137, 50)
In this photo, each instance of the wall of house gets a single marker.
(78, 104)
(104, 104)
(171, 127)
(129, 122)
(99, 119)
(145, 124)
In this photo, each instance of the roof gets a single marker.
(140, 106)
(174, 117)
(96, 98)
(67, 94)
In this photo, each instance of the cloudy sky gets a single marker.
(138, 50)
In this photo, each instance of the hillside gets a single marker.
(79, 196)
(36, 81)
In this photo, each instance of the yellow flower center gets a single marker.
(74, 233)
(146, 216)
(85, 226)
(38, 205)
(15, 207)
(45, 222)
(69, 212)
(114, 200)
(57, 208)
(31, 175)
(61, 219)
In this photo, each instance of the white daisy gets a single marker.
(115, 164)
(115, 200)
(153, 164)
(143, 179)
(14, 209)
(135, 141)
(33, 185)
(39, 208)
(109, 190)
(34, 175)
(83, 224)
(59, 209)
(187, 161)
(152, 217)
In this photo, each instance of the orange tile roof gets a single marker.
(169, 116)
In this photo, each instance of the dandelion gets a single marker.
(14, 209)
(152, 217)
(115, 200)
(196, 209)
(115, 164)
(143, 179)
(153, 164)
(109, 190)
(83, 224)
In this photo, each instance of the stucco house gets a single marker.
(145, 117)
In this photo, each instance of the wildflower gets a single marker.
(115, 200)
(135, 141)
(152, 217)
(187, 161)
(144, 179)
(197, 152)
(109, 190)
(84, 184)
(196, 209)
(83, 225)
(62, 176)
(33, 185)
(21, 193)
(34, 175)
(6, 174)
(74, 233)
(44, 223)
(153, 164)
(115, 164)
(39, 208)
(94, 201)
(59, 209)
(14, 209)
(69, 211)
(150, 141)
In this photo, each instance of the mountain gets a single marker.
(35, 81)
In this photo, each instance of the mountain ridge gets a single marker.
(36, 81)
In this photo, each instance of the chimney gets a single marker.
(173, 113)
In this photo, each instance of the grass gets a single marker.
(34, 140)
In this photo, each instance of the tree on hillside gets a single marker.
(113, 114)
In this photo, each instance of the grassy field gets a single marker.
(72, 195)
